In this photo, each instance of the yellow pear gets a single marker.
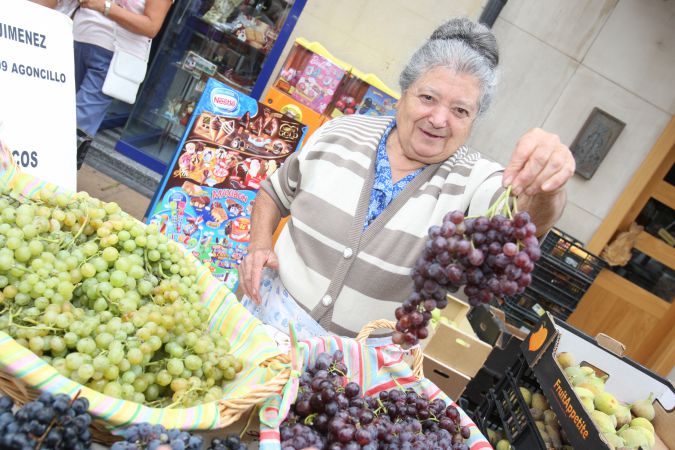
(644, 408)
(642, 422)
(527, 395)
(565, 359)
(606, 403)
(635, 437)
(592, 383)
(614, 440)
(503, 445)
(623, 416)
(539, 401)
(602, 421)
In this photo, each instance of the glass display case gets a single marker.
(234, 41)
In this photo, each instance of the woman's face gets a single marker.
(435, 115)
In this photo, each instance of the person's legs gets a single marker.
(91, 67)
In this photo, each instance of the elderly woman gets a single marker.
(363, 192)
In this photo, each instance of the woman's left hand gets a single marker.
(96, 5)
(539, 164)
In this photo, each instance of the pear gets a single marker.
(537, 414)
(540, 425)
(492, 436)
(554, 434)
(503, 445)
(545, 437)
(606, 403)
(635, 437)
(614, 440)
(642, 422)
(644, 408)
(613, 417)
(622, 415)
(550, 418)
(539, 401)
(565, 359)
(651, 439)
(592, 383)
(588, 405)
(575, 372)
(586, 398)
(602, 421)
(527, 395)
(584, 393)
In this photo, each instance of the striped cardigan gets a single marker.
(340, 274)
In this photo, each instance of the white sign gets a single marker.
(37, 90)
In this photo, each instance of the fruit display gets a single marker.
(107, 301)
(490, 256)
(331, 412)
(624, 426)
(48, 423)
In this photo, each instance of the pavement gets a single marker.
(101, 186)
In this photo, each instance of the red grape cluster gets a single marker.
(488, 256)
(330, 413)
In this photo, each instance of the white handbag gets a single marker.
(125, 74)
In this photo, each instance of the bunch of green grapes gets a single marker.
(109, 302)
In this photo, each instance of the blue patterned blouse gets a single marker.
(384, 191)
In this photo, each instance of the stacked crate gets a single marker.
(560, 278)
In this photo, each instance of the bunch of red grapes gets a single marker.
(330, 413)
(488, 256)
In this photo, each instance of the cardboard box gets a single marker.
(456, 312)
(448, 380)
(452, 357)
(628, 380)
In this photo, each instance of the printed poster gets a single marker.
(231, 145)
(37, 91)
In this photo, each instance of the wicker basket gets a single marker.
(231, 410)
(383, 324)
(265, 372)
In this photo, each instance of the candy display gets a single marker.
(232, 145)
(315, 85)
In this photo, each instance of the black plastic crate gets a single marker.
(536, 301)
(504, 408)
(570, 252)
(518, 316)
(559, 282)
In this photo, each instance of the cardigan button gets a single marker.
(327, 300)
(347, 253)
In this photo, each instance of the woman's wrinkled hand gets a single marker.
(250, 270)
(540, 164)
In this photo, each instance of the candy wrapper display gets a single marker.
(231, 145)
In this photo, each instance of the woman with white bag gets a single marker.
(117, 31)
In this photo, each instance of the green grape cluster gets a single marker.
(109, 302)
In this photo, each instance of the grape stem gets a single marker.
(79, 232)
(52, 423)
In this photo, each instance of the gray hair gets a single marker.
(461, 45)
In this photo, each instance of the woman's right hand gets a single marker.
(250, 270)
